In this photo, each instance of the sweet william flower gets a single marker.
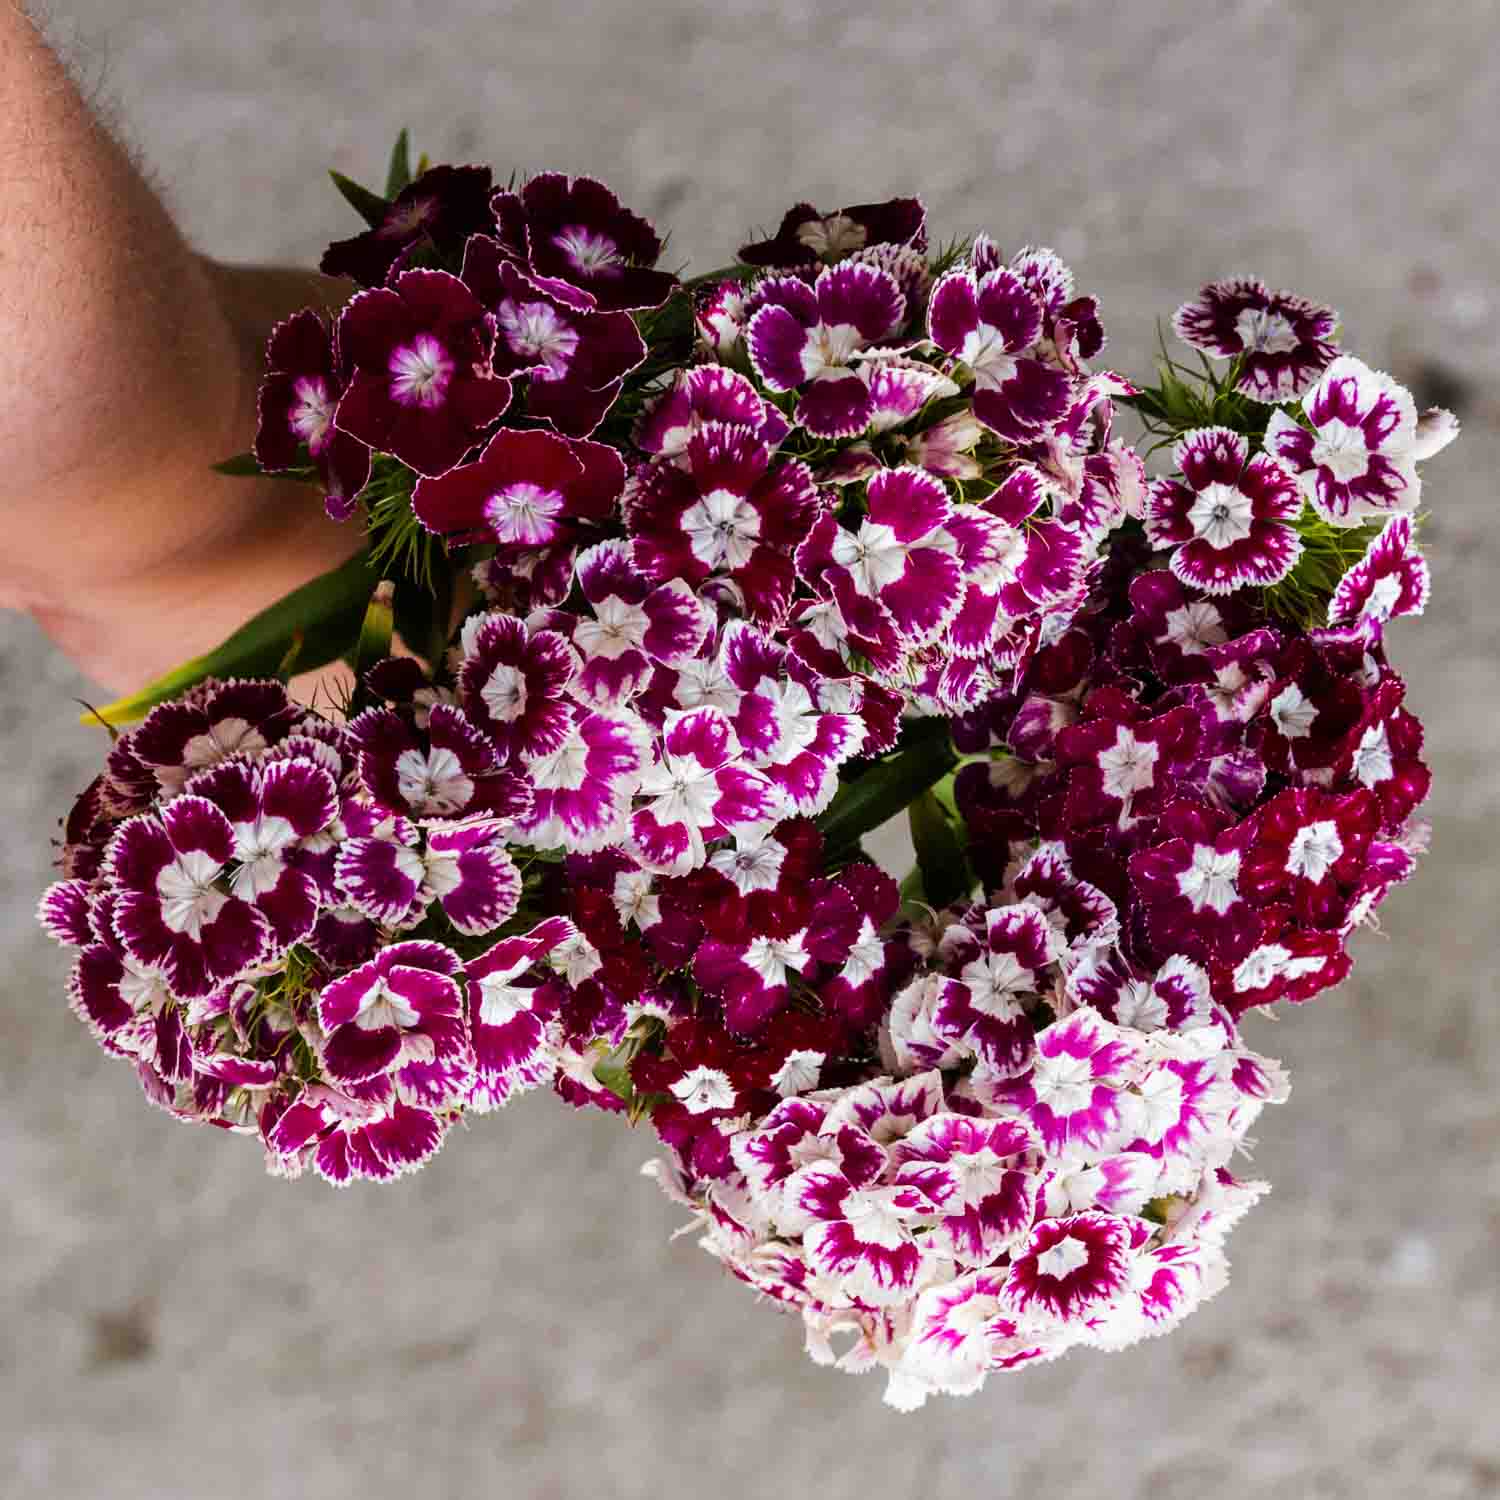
(364, 1133)
(1356, 462)
(1071, 1268)
(1283, 341)
(990, 323)
(217, 721)
(176, 914)
(730, 512)
(572, 239)
(698, 396)
(1391, 579)
(809, 338)
(1229, 518)
(807, 238)
(422, 388)
(437, 211)
(514, 683)
(306, 373)
(576, 362)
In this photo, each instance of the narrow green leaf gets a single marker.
(327, 614)
(241, 466)
(399, 172)
(887, 788)
(369, 206)
(940, 854)
(375, 633)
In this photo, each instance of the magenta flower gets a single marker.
(1075, 1094)
(1176, 998)
(1283, 341)
(214, 722)
(807, 237)
(576, 361)
(1390, 579)
(976, 1172)
(781, 719)
(991, 324)
(1228, 521)
(509, 1011)
(1310, 853)
(795, 1133)
(437, 211)
(1189, 886)
(1071, 1269)
(751, 976)
(366, 1133)
(306, 374)
(449, 770)
(522, 490)
(399, 1014)
(574, 241)
(998, 976)
(808, 339)
(898, 579)
(515, 683)
(699, 790)
(380, 873)
(582, 787)
(275, 809)
(422, 387)
(863, 1238)
(634, 628)
(1357, 461)
(702, 394)
(730, 512)
(1124, 767)
(176, 913)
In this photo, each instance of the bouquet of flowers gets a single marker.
(670, 593)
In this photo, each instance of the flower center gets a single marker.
(1062, 1259)
(382, 1007)
(1342, 450)
(189, 900)
(535, 330)
(1210, 879)
(420, 372)
(1262, 331)
(524, 513)
(1065, 1083)
(832, 236)
(312, 416)
(589, 252)
(1315, 850)
(722, 529)
(433, 783)
(504, 693)
(1222, 515)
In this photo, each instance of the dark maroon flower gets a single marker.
(576, 360)
(440, 210)
(573, 240)
(807, 237)
(306, 373)
(422, 387)
(523, 489)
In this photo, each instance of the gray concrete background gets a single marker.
(512, 1321)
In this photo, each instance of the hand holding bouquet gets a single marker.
(700, 584)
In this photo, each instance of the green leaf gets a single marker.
(369, 206)
(887, 787)
(398, 174)
(940, 854)
(241, 466)
(326, 615)
(375, 633)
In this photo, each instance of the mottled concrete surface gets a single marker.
(512, 1321)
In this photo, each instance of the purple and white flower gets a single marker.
(1229, 520)
(1282, 341)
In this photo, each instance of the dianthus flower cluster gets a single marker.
(754, 564)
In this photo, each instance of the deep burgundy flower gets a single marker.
(522, 490)
(807, 237)
(306, 374)
(422, 387)
(576, 361)
(439, 210)
(572, 239)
